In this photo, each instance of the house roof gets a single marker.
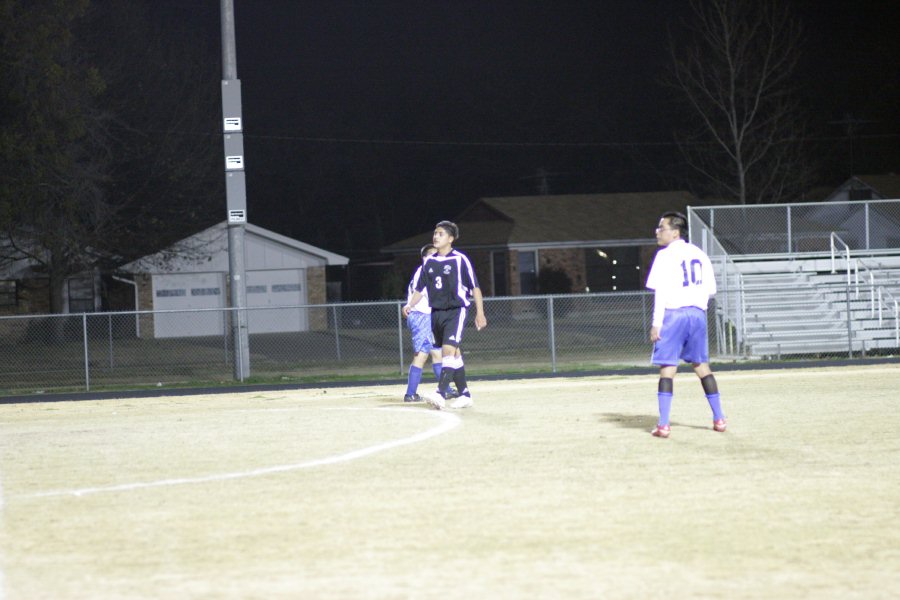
(330, 257)
(569, 220)
(886, 185)
(207, 250)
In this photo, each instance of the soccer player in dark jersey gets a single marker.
(450, 279)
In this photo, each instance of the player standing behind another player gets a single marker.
(419, 322)
(683, 280)
(449, 277)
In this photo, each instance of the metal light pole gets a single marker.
(235, 190)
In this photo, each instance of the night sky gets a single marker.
(367, 121)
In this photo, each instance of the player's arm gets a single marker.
(657, 282)
(413, 300)
(419, 283)
(480, 319)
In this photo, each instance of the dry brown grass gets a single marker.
(548, 488)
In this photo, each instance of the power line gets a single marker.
(551, 144)
(409, 142)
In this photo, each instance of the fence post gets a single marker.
(644, 312)
(109, 321)
(866, 210)
(337, 335)
(87, 368)
(400, 333)
(789, 241)
(552, 333)
(227, 315)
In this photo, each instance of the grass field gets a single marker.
(547, 488)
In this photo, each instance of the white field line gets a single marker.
(448, 422)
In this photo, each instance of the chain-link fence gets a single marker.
(106, 350)
(763, 229)
(530, 333)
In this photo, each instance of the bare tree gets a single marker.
(735, 71)
(103, 134)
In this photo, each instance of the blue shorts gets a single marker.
(683, 336)
(419, 325)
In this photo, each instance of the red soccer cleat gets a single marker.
(661, 431)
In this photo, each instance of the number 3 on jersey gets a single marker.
(439, 284)
(696, 273)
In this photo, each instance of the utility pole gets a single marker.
(235, 191)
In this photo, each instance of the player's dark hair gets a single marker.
(450, 227)
(677, 221)
(424, 251)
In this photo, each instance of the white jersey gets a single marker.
(422, 306)
(681, 275)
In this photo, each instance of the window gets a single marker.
(286, 287)
(528, 272)
(81, 294)
(613, 269)
(205, 291)
(8, 293)
(498, 273)
(170, 293)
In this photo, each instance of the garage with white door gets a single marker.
(189, 295)
(196, 298)
(277, 288)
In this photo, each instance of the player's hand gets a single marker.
(480, 322)
(405, 310)
(654, 334)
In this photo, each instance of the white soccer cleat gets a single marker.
(436, 400)
(462, 402)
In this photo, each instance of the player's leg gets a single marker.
(436, 359)
(462, 386)
(664, 394)
(420, 329)
(451, 324)
(666, 355)
(711, 390)
(415, 377)
(696, 352)
(439, 320)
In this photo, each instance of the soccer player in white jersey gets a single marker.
(450, 279)
(419, 322)
(682, 279)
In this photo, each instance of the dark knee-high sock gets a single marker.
(711, 389)
(436, 367)
(446, 377)
(664, 396)
(459, 378)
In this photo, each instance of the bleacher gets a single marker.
(837, 299)
(804, 311)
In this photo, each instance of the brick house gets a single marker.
(588, 242)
